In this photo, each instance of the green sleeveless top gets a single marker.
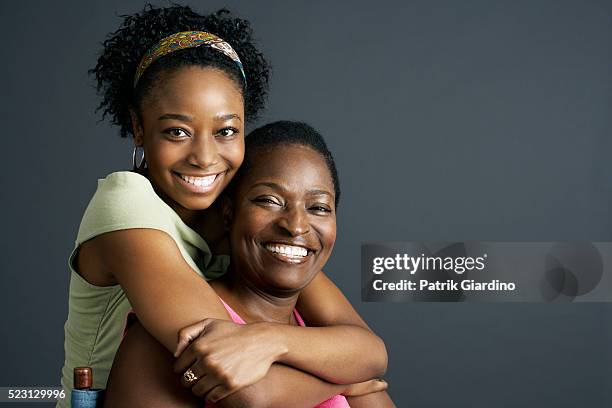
(97, 314)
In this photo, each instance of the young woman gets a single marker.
(281, 217)
(183, 86)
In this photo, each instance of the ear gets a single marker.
(137, 129)
(227, 209)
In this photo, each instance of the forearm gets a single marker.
(157, 386)
(341, 354)
(323, 306)
(377, 399)
(283, 387)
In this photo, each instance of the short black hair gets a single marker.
(286, 132)
(123, 50)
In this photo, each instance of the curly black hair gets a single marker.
(286, 132)
(124, 49)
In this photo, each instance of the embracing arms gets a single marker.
(334, 351)
(156, 386)
(168, 295)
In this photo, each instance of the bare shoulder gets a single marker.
(142, 375)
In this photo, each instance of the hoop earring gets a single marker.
(143, 164)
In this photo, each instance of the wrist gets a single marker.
(274, 337)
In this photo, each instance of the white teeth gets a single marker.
(288, 250)
(199, 181)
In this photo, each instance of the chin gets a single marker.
(197, 205)
(197, 202)
(290, 283)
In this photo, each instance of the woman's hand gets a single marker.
(224, 356)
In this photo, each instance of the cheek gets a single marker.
(160, 155)
(327, 234)
(233, 153)
(250, 224)
(330, 236)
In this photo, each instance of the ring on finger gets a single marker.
(189, 376)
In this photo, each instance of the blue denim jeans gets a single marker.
(87, 398)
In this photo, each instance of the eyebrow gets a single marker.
(279, 187)
(187, 118)
(228, 116)
(319, 192)
(178, 116)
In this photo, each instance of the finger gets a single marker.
(204, 386)
(217, 394)
(187, 334)
(379, 385)
(372, 386)
(369, 387)
(366, 387)
(185, 360)
(191, 377)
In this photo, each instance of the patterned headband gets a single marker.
(182, 40)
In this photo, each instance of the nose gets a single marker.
(204, 151)
(295, 221)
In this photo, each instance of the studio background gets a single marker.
(473, 120)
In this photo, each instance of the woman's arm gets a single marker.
(326, 352)
(141, 376)
(167, 295)
(164, 291)
(354, 345)
(332, 353)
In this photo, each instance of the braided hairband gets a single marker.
(181, 41)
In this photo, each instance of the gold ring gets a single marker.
(189, 376)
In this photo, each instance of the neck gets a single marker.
(189, 217)
(254, 304)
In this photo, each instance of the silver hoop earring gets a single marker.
(143, 163)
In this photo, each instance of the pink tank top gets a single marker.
(337, 401)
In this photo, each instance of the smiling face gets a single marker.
(191, 127)
(283, 225)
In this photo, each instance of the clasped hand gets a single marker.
(224, 356)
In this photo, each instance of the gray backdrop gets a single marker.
(472, 120)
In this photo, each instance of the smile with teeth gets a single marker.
(199, 181)
(289, 251)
